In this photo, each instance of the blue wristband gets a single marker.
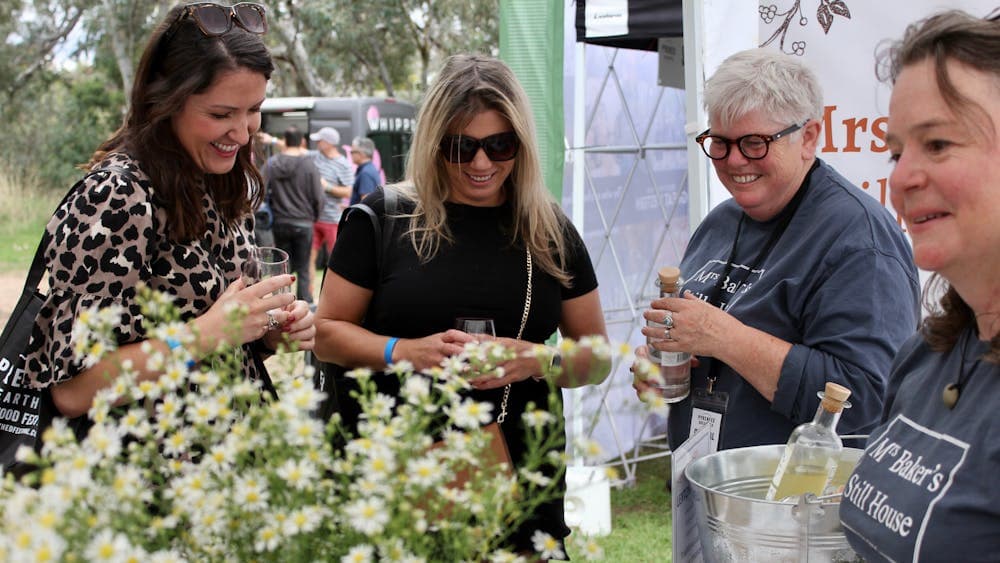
(173, 344)
(390, 345)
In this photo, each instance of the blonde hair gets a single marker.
(467, 86)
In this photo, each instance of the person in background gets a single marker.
(800, 278)
(168, 202)
(925, 487)
(366, 176)
(262, 214)
(477, 235)
(296, 198)
(337, 178)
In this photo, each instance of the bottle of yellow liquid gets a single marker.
(813, 451)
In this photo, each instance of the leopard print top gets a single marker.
(111, 234)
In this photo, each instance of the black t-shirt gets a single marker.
(482, 274)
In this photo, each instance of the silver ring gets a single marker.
(668, 320)
(272, 323)
(666, 334)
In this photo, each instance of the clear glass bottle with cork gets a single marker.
(813, 451)
(675, 367)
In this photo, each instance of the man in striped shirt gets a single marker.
(337, 177)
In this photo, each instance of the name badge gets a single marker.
(708, 410)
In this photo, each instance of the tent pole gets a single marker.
(698, 190)
(579, 138)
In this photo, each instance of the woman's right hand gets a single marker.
(430, 351)
(640, 384)
(216, 325)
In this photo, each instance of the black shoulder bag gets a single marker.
(325, 373)
(25, 411)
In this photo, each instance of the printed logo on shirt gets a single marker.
(739, 280)
(902, 475)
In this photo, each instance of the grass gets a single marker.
(24, 210)
(640, 518)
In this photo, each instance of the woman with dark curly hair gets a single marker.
(168, 203)
(925, 488)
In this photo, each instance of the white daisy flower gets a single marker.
(503, 556)
(359, 554)
(425, 471)
(536, 477)
(547, 546)
(368, 516)
(416, 389)
(360, 373)
(251, 493)
(380, 407)
(470, 413)
(590, 549)
(299, 474)
(267, 540)
(537, 418)
(108, 546)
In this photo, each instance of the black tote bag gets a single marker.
(25, 412)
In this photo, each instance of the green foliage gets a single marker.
(24, 211)
(59, 126)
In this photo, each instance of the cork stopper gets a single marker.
(668, 278)
(834, 397)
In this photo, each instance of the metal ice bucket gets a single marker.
(735, 523)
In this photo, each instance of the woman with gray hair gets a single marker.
(799, 279)
(476, 235)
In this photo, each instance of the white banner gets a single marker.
(839, 40)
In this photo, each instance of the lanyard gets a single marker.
(715, 298)
(786, 215)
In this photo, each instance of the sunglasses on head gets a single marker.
(460, 149)
(215, 19)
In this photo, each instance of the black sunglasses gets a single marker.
(215, 19)
(459, 149)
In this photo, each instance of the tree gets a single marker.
(67, 66)
(382, 45)
(32, 33)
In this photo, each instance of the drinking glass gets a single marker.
(481, 328)
(265, 262)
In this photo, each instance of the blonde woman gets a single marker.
(473, 219)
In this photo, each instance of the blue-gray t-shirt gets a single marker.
(840, 285)
(926, 486)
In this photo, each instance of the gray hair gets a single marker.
(364, 145)
(777, 85)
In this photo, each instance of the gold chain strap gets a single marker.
(520, 331)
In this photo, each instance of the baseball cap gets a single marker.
(328, 134)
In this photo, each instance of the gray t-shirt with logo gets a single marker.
(926, 486)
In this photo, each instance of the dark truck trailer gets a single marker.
(386, 121)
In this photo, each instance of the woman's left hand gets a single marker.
(520, 368)
(299, 328)
(699, 327)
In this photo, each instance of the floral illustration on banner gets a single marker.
(825, 14)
